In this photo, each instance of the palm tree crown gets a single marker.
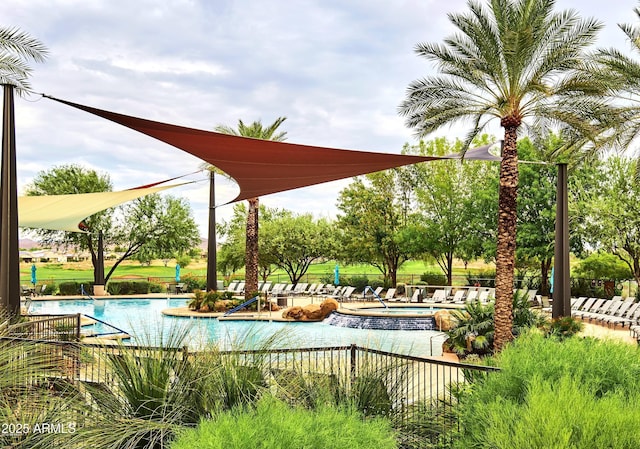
(519, 62)
(16, 49)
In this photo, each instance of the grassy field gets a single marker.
(81, 271)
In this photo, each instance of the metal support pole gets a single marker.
(9, 252)
(212, 260)
(561, 275)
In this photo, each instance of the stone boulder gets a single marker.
(293, 313)
(328, 306)
(444, 321)
(312, 312)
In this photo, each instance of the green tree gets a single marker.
(519, 62)
(537, 205)
(257, 131)
(448, 221)
(74, 179)
(17, 49)
(609, 212)
(372, 223)
(233, 249)
(155, 226)
(294, 242)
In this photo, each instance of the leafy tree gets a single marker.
(609, 212)
(537, 205)
(372, 224)
(17, 48)
(448, 224)
(296, 241)
(233, 250)
(73, 179)
(601, 265)
(155, 226)
(520, 63)
(257, 131)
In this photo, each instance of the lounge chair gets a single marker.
(587, 306)
(417, 294)
(439, 296)
(458, 297)
(628, 313)
(483, 296)
(607, 309)
(373, 295)
(595, 308)
(232, 286)
(299, 289)
(390, 295)
(472, 295)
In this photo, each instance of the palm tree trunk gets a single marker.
(251, 254)
(506, 244)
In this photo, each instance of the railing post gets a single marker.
(353, 361)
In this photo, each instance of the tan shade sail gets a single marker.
(66, 212)
(261, 167)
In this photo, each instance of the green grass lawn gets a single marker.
(80, 271)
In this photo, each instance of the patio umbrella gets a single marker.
(34, 280)
(177, 272)
(336, 275)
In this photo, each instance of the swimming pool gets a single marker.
(142, 319)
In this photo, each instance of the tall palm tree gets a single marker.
(257, 131)
(521, 63)
(17, 48)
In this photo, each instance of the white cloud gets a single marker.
(336, 69)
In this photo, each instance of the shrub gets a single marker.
(192, 283)
(357, 281)
(564, 327)
(183, 260)
(70, 288)
(154, 287)
(128, 287)
(578, 393)
(273, 424)
(473, 333)
(434, 278)
(485, 278)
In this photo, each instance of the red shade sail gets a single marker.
(261, 167)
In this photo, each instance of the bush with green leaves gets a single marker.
(274, 424)
(577, 393)
(128, 287)
(192, 282)
(434, 278)
(486, 278)
(474, 326)
(563, 327)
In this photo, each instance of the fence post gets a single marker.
(353, 363)
(77, 336)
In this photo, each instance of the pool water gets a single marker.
(143, 320)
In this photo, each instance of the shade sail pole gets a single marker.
(212, 259)
(561, 280)
(9, 252)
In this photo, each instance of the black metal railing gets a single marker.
(418, 394)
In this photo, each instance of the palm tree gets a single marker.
(16, 49)
(623, 72)
(519, 62)
(257, 131)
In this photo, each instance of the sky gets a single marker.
(336, 69)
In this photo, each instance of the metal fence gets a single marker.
(48, 327)
(417, 394)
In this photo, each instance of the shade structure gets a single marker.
(66, 212)
(262, 167)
